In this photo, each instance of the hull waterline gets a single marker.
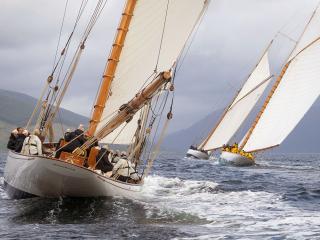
(27, 176)
(197, 154)
(235, 159)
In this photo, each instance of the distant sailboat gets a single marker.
(237, 112)
(291, 96)
(138, 77)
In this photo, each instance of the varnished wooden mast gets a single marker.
(274, 87)
(111, 66)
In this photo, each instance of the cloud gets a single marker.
(228, 44)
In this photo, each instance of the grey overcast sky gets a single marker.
(228, 43)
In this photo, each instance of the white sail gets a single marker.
(241, 106)
(297, 91)
(311, 33)
(157, 34)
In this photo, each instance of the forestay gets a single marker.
(242, 105)
(157, 34)
(297, 91)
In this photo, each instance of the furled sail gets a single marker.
(241, 106)
(157, 34)
(297, 91)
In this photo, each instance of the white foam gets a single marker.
(241, 212)
(3, 194)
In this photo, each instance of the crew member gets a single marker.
(13, 139)
(123, 171)
(102, 160)
(22, 134)
(32, 144)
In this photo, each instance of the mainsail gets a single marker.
(297, 88)
(157, 33)
(238, 111)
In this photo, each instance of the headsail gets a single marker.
(241, 106)
(157, 34)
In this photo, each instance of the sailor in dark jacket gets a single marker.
(13, 139)
(102, 160)
(20, 139)
(75, 139)
(68, 135)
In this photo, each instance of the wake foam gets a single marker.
(3, 194)
(204, 199)
(260, 214)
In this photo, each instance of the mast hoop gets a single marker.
(110, 76)
(123, 29)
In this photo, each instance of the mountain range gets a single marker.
(15, 110)
(303, 139)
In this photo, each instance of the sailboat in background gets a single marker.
(295, 90)
(292, 95)
(135, 88)
(238, 110)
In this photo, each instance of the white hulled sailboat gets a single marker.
(290, 97)
(138, 77)
(237, 112)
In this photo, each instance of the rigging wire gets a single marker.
(63, 57)
(72, 67)
(191, 41)
(162, 35)
(60, 33)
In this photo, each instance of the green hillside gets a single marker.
(15, 110)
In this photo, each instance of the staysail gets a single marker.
(157, 34)
(297, 89)
(238, 111)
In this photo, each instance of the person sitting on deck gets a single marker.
(13, 139)
(23, 133)
(74, 140)
(115, 157)
(102, 160)
(124, 171)
(193, 147)
(32, 144)
(234, 148)
(110, 156)
(123, 155)
(67, 135)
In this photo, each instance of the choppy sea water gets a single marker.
(279, 198)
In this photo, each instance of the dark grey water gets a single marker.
(191, 199)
